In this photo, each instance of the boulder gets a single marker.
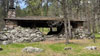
(99, 32)
(6, 42)
(67, 48)
(91, 48)
(4, 37)
(31, 49)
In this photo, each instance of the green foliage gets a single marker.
(33, 7)
(44, 30)
(36, 8)
(19, 12)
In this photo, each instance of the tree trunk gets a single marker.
(66, 31)
(47, 8)
(41, 8)
(69, 28)
(65, 20)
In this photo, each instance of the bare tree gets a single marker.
(65, 10)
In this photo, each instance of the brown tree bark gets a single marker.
(65, 20)
(41, 8)
(47, 8)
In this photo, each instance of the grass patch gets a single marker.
(59, 47)
(90, 54)
(55, 49)
(97, 36)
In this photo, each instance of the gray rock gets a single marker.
(6, 42)
(36, 40)
(3, 37)
(5, 29)
(38, 32)
(33, 34)
(26, 30)
(31, 50)
(27, 40)
(10, 26)
(67, 48)
(13, 31)
(18, 40)
(91, 48)
(99, 32)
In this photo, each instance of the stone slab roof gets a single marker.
(35, 18)
(39, 18)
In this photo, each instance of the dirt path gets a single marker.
(64, 41)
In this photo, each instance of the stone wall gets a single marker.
(81, 33)
(2, 24)
(11, 13)
(19, 35)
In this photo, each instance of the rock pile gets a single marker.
(82, 33)
(20, 34)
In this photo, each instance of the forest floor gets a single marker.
(54, 48)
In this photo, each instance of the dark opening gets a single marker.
(59, 30)
(25, 23)
(32, 24)
(39, 24)
(76, 24)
